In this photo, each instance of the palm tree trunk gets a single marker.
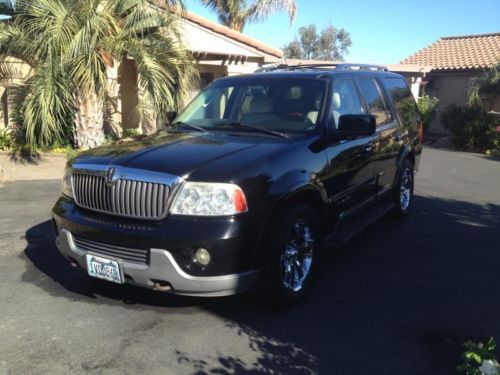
(89, 121)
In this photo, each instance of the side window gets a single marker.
(345, 100)
(403, 100)
(375, 102)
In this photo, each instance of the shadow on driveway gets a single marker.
(401, 298)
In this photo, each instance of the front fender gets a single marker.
(294, 182)
(292, 187)
(403, 153)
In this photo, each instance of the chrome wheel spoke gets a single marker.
(296, 258)
(299, 272)
(405, 189)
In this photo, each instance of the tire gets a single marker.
(403, 190)
(292, 251)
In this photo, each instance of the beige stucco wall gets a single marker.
(449, 88)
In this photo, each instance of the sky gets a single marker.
(382, 31)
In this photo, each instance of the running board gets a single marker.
(346, 230)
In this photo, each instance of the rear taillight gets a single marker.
(420, 132)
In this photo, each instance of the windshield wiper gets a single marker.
(189, 126)
(258, 128)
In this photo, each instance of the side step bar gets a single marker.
(347, 229)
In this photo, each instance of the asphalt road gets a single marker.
(400, 299)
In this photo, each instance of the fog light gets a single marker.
(202, 256)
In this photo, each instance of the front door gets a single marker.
(386, 142)
(349, 177)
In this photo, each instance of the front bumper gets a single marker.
(163, 267)
(170, 245)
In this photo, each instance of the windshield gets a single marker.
(279, 104)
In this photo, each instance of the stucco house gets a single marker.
(218, 50)
(453, 62)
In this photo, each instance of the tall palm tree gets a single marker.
(72, 44)
(235, 14)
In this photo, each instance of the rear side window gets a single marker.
(375, 102)
(402, 99)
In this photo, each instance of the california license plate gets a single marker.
(103, 268)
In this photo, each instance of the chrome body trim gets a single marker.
(155, 190)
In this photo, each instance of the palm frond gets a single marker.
(265, 8)
(236, 13)
(49, 98)
(7, 7)
(71, 44)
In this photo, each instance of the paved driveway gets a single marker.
(399, 299)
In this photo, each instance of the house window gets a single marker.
(205, 80)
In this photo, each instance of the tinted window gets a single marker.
(403, 100)
(375, 102)
(345, 99)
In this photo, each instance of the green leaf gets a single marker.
(491, 345)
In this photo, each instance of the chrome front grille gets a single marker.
(120, 252)
(123, 197)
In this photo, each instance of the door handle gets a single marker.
(369, 148)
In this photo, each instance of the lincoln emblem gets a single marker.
(109, 176)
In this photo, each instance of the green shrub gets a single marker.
(64, 140)
(427, 107)
(130, 133)
(479, 358)
(5, 139)
(471, 127)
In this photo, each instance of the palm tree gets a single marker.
(486, 88)
(71, 45)
(235, 14)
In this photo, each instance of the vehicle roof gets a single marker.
(311, 72)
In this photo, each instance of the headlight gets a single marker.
(209, 199)
(67, 188)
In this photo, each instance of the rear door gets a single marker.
(387, 141)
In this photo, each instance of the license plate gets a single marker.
(103, 268)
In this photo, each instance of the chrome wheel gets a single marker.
(405, 188)
(297, 256)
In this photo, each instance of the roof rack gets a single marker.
(339, 66)
(361, 67)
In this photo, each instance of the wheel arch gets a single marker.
(307, 193)
(405, 153)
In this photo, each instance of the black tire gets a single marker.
(295, 223)
(403, 190)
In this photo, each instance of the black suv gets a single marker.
(249, 183)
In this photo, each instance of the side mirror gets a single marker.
(355, 126)
(171, 116)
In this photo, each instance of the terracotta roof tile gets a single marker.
(467, 52)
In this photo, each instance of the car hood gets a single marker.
(179, 154)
